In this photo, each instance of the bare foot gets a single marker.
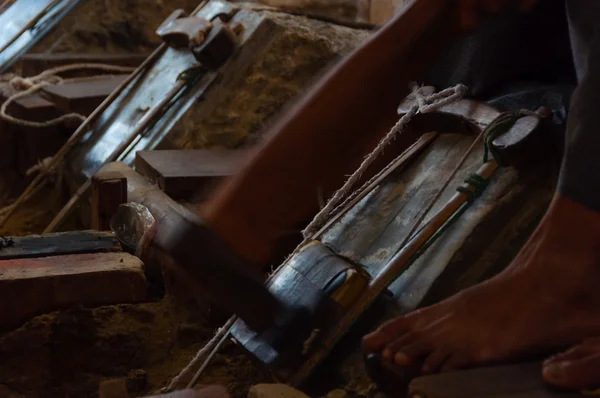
(546, 299)
(577, 368)
(214, 391)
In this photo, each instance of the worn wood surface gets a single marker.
(301, 283)
(109, 190)
(32, 144)
(62, 243)
(512, 381)
(181, 173)
(83, 96)
(34, 64)
(34, 286)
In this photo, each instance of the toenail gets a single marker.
(401, 359)
(387, 355)
(555, 371)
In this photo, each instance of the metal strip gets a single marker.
(25, 22)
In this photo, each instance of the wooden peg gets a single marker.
(109, 190)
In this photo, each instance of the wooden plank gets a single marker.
(17, 148)
(513, 381)
(109, 190)
(62, 243)
(372, 232)
(83, 96)
(34, 286)
(34, 64)
(36, 143)
(34, 108)
(181, 173)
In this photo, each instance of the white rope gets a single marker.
(179, 380)
(30, 85)
(42, 166)
(423, 104)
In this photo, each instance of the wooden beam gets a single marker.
(35, 286)
(183, 173)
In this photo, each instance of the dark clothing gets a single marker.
(531, 47)
(580, 172)
(552, 45)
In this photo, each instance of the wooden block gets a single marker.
(83, 96)
(33, 108)
(181, 173)
(109, 190)
(61, 243)
(34, 286)
(36, 143)
(34, 64)
(513, 381)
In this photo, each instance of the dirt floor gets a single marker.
(67, 353)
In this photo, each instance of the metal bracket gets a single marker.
(179, 31)
(212, 42)
(217, 47)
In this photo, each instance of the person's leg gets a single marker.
(580, 176)
(547, 298)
